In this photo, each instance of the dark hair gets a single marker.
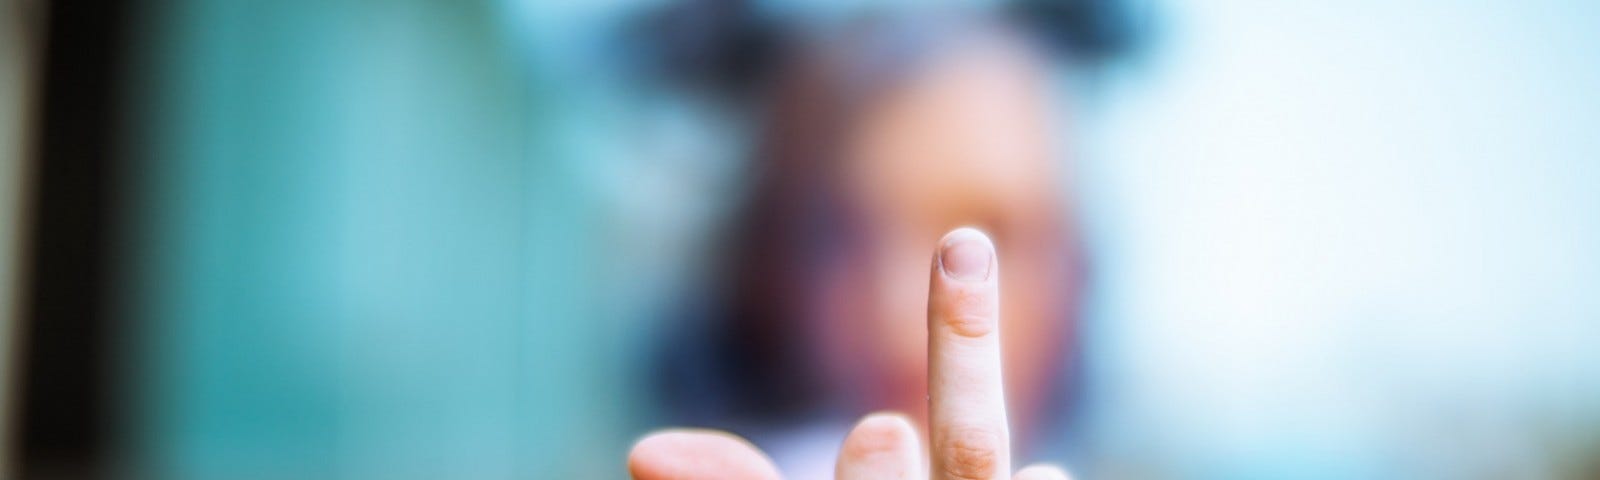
(733, 47)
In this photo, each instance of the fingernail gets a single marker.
(967, 255)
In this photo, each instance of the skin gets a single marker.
(968, 429)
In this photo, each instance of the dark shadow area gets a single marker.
(65, 402)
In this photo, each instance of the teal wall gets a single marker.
(356, 258)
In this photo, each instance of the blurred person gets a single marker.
(878, 139)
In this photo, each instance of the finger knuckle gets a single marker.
(970, 325)
(971, 453)
(968, 312)
(970, 299)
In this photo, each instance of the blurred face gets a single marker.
(966, 140)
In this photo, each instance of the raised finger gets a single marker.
(967, 415)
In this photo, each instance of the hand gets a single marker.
(967, 415)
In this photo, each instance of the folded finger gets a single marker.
(698, 454)
(880, 447)
(1042, 472)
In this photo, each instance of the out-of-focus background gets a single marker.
(412, 239)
